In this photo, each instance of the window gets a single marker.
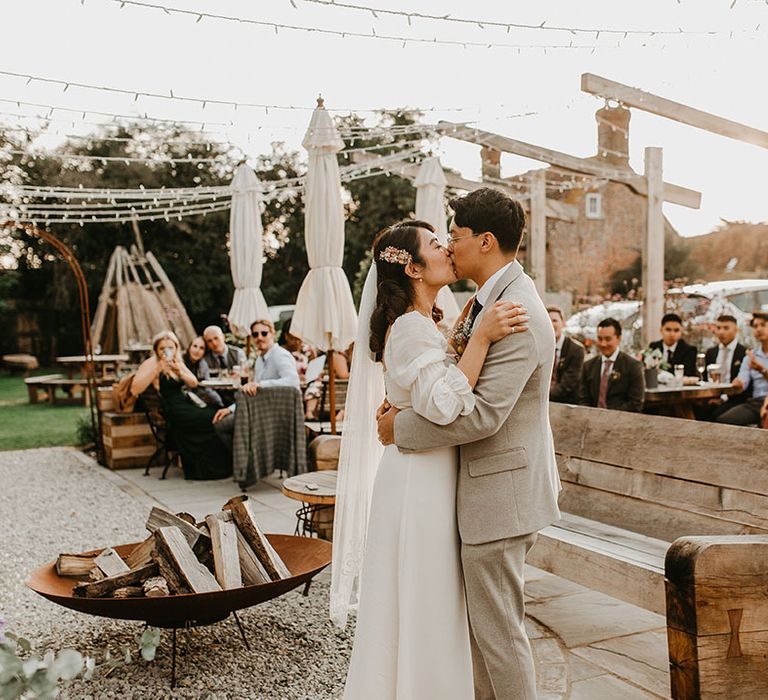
(593, 205)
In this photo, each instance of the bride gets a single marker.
(412, 638)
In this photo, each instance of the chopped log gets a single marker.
(186, 516)
(156, 587)
(234, 501)
(176, 585)
(175, 549)
(226, 558)
(96, 574)
(251, 569)
(141, 554)
(162, 518)
(246, 523)
(111, 563)
(102, 589)
(74, 564)
(128, 592)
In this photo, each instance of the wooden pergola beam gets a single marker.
(662, 107)
(671, 193)
(555, 209)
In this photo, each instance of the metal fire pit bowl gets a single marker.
(305, 558)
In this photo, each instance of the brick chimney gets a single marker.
(613, 135)
(491, 163)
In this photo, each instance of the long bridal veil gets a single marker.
(358, 461)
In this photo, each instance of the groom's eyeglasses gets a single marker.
(263, 334)
(454, 239)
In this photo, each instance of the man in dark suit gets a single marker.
(674, 349)
(613, 379)
(729, 354)
(569, 359)
(219, 355)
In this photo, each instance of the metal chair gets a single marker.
(153, 406)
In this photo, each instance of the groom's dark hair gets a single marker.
(489, 210)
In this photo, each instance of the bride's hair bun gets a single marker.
(394, 292)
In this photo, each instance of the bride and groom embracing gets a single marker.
(440, 606)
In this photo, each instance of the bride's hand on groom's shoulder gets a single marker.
(502, 319)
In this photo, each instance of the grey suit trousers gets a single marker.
(501, 654)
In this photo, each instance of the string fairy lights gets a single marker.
(199, 15)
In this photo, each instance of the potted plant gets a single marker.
(651, 361)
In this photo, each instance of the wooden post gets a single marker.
(332, 391)
(537, 231)
(653, 250)
(717, 617)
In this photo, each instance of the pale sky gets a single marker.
(144, 49)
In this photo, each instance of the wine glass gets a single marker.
(701, 365)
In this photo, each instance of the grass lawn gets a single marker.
(24, 425)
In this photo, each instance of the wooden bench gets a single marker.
(632, 484)
(75, 391)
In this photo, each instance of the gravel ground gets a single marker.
(53, 500)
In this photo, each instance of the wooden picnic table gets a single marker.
(103, 362)
(678, 401)
(221, 384)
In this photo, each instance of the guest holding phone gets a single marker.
(189, 424)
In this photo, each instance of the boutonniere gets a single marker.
(561, 364)
(458, 337)
(615, 376)
(737, 363)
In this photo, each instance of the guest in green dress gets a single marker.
(190, 425)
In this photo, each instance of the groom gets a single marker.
(508, 482)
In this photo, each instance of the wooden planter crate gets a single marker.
(128, 440)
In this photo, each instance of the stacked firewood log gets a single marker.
(226, 550)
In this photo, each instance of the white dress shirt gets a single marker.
(725, 358)
(485, 291)
(612, 358)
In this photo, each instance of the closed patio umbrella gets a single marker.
(325, 313)
(430, 207)
(246, 251)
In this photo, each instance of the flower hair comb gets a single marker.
(398, 256)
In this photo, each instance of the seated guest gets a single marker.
(569, 359)
(674, 349)
(220, 355)
(194, 358)
(302, 354)
(752, 375)
(275, 366)
(201, 454)
(613, 379)
(728, 354)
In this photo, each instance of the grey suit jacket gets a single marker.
(508, 481)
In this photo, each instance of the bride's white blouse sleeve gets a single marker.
(417, 359)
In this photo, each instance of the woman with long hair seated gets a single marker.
(202, 454)
(194, 358)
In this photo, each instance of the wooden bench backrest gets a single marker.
(661, 477)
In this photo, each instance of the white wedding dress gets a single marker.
(412, 637)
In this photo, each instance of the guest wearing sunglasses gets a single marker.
(275, 366)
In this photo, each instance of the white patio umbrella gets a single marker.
(430, 207)
(246, 251)
(325, 313)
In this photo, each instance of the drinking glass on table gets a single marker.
(679, 374)
(701, 365)
(714, 373)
